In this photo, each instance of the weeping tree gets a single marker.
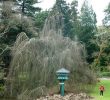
(36, 60)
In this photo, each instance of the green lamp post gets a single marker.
(62, 75)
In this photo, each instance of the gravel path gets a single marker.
(104, 78)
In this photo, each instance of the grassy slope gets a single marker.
(106, 96)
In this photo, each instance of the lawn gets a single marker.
(106, 84)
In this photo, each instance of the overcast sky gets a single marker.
(98, 6)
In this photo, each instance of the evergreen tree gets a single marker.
(88, 27)
(106, 20)
(40, 19)
(27, 7)
(62, 8)
(75, 19)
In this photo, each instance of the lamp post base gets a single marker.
(62, 89)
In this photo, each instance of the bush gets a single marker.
(105, 74)
(2, 88)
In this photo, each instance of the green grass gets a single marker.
(106, 95)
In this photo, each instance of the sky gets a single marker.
(98, 6)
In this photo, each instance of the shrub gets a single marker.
(105, 74)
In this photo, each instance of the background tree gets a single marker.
(62, 9)
(40, 19)
(101, 41)
(88, 28)
(102, 56)
(74, 15)
(106, 20)
(27, 7)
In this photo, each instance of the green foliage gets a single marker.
(27, 7)
(105, 39)
(102, 55)
(105, 74)
(106, 20)
(40, 19)
(88, 22)
(74, 19)
(62, 8)
(2, 90)
(88, 28)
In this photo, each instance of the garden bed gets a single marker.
(70, 96)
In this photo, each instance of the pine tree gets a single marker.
(106, 20)
(40, 19)
(62, 8)
(75, 19)
(27, 7)
(88, 27)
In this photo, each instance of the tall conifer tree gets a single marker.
(62, 8)
(88, 27)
